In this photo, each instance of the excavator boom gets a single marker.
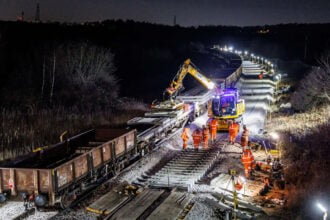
(188, 68)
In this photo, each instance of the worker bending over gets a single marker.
(247, 160)
(197, 138)
(245, 137)
(213, 129)
(233, 131)
(185, 138)
(205, 137)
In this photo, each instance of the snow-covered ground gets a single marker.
(11, 209)
(258, 96)
(201, 211)
(41, 215)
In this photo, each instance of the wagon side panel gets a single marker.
(81, 166)
(96, 155)
(44, 180)
(130, 140)
(5, 179)
(64, 175)
(106, 150)
(119, 146)
(25, 180)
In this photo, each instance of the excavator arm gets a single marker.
(188, 68)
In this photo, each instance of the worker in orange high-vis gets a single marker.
(261, 75)
(213, 129)
(247, 160)
(206, 135)
(245, 137)
(185, 138)
(233, 131)
(197, 138)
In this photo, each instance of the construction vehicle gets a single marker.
(226, 106)
(194, 103)
(187, 68)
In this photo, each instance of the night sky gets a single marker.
(188, 12)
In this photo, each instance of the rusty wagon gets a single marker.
(60, 173)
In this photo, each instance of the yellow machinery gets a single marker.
(188, 68)
(226, 106)
(170, 103)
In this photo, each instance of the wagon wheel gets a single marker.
(105, 171)
(116, 169)
(66, 200)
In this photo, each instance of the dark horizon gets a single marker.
(188, 13)
(168, 25)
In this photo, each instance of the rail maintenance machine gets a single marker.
(226, 106)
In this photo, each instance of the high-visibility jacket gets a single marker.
(233, 129)
(213, 125)
(205, 134)
(185, 134)
(238, 186)
(197, 137)
(247, 158)
(213, 129)
(245, 138)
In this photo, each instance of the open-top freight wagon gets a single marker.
(60, 173)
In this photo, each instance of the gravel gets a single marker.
(41, 215)
(143, 165)
(76, 215)
(11, 209)
(201, 211)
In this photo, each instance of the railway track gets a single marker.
(183, 171)
(186, 169)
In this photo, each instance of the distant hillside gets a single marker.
(146, 55)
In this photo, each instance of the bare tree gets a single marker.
(43, 77)
(53, 78)
(90, 70)
(314, 89)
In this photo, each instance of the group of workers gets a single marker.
(199, 136)
(210, 132)
(247, 156)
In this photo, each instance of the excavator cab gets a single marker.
(226, 106)
(225, 103)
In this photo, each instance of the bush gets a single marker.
(24, 130)
(314, 89)
(308, 163)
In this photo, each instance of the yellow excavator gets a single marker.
(188, 68)
(226, 106)
(176, 86)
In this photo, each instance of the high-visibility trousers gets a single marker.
(185, 144)
(197, 142)
(232, 137)
(247, 169)
(205, 142)
(213, 134)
